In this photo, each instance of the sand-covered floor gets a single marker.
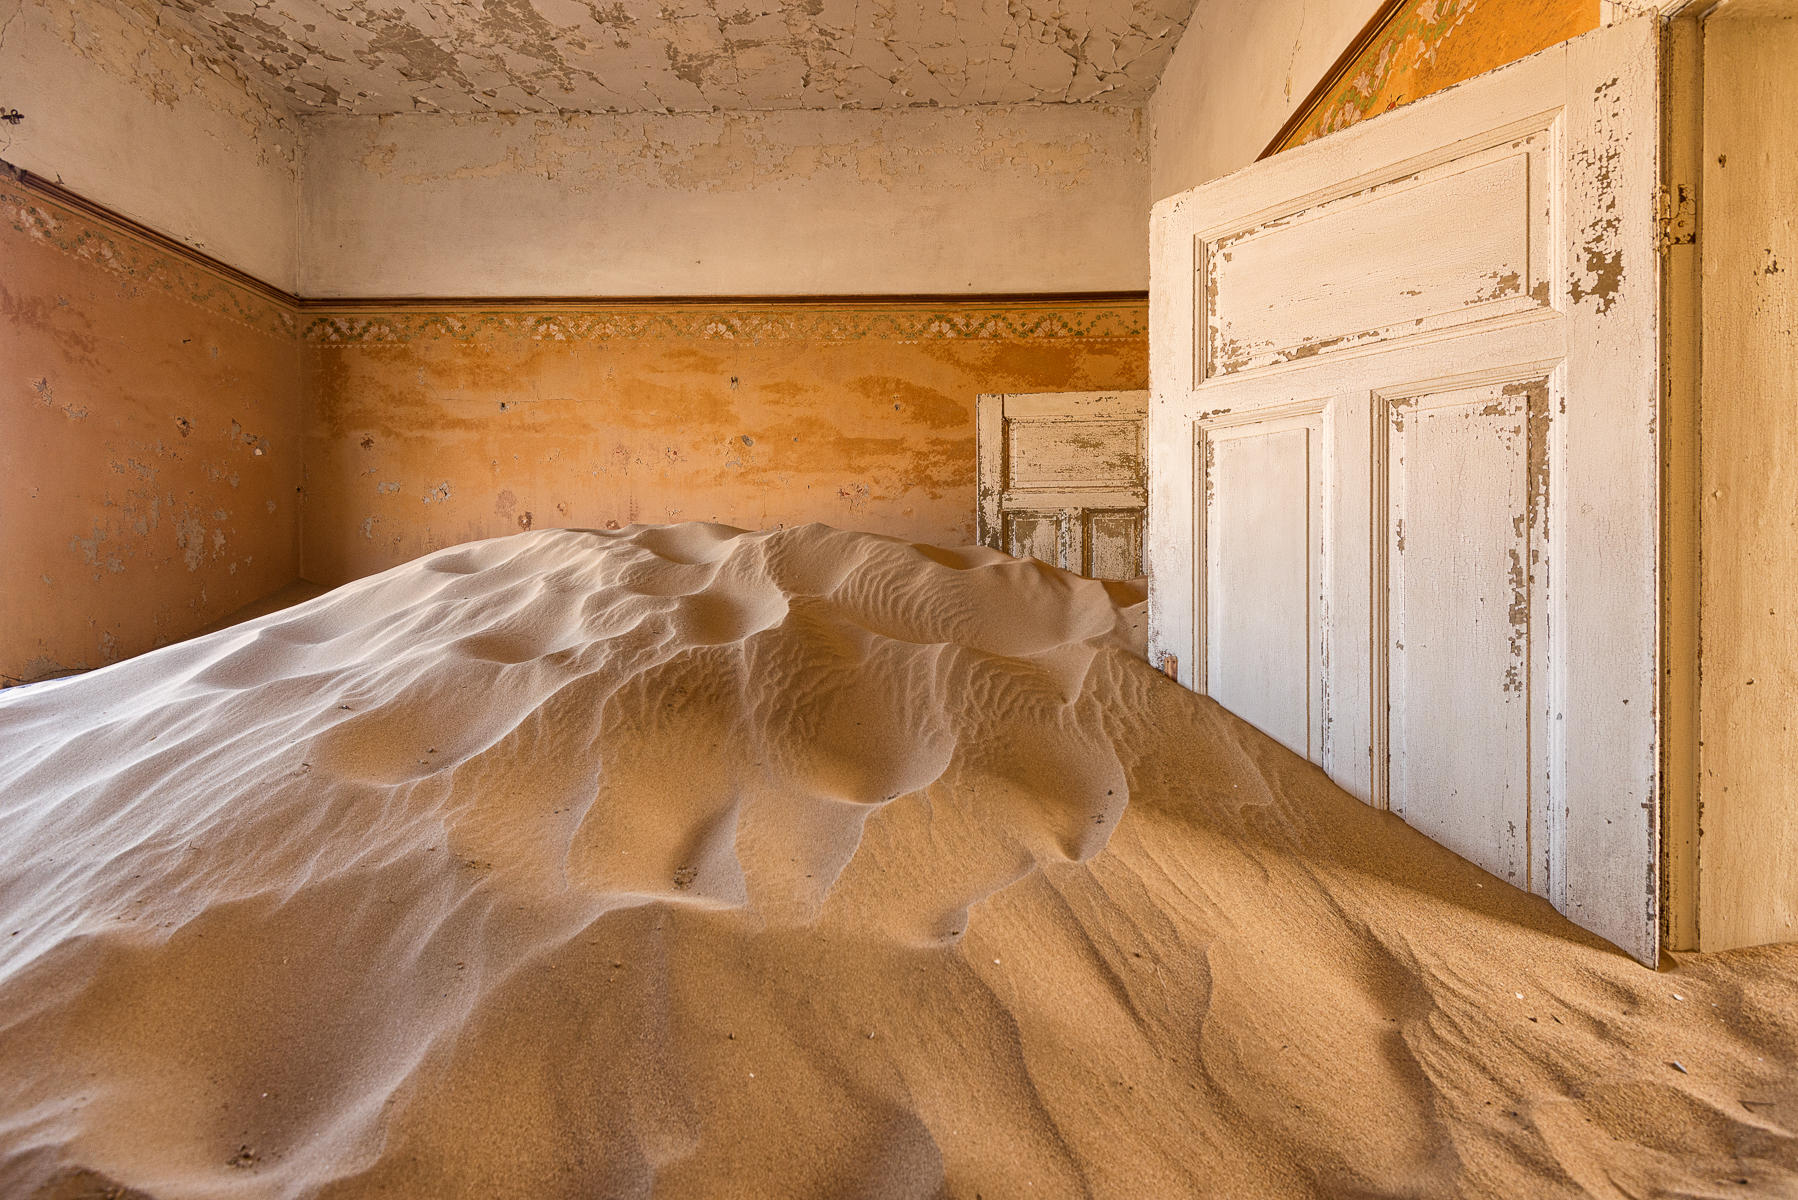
(685, 863)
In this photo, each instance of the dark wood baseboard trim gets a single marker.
(56, 192)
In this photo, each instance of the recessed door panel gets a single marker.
(1114, 544)
(1034, 535)
(1260, 574)
(1074, 453)
(1459, 242)
(1462, 558)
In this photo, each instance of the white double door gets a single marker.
(1404, 465)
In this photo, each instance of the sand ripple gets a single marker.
(689, 862)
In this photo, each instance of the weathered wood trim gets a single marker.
(1682, 115)
(1062, 498)
(78, 203)
(1075, 406)
(415, 304)
(989, 470)
(1613, 331)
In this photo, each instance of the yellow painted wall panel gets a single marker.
(426, 428)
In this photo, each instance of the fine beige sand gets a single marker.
(692, 863)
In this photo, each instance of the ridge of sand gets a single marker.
(692, 862)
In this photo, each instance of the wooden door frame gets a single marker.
(1682, 147)
(1696, 683)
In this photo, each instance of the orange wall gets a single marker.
(429, 427)
(1428, 45)
(151, 450)
(180, 443)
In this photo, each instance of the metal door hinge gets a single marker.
(1675, 216)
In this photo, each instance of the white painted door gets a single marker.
(1404, 468)
(1061, 479)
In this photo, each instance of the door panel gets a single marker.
(1035, 535)
(1462, 241)
(1262, 536)
(1440, 582)
(1061, 479)
(1463, 557)
(1046, 453)
(1113, 544)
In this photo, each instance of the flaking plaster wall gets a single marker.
(131, 110)
(403, 56)
(428, 426)
(1017, 198)
(126, 105)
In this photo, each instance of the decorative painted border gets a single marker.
(1407, 33)
(125, 253)
(756, 322)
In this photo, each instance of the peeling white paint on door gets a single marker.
(1060, 479)
(1404, 498)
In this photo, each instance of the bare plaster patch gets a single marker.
(171, 62)
(391, 56)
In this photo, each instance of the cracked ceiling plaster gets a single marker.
(470, 56)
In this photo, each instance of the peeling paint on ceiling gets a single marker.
(470, 56)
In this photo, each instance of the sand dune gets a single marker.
(693, 863)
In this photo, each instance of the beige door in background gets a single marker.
(1061, 479)
(1405, 465)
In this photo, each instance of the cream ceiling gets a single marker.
(390, 56)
